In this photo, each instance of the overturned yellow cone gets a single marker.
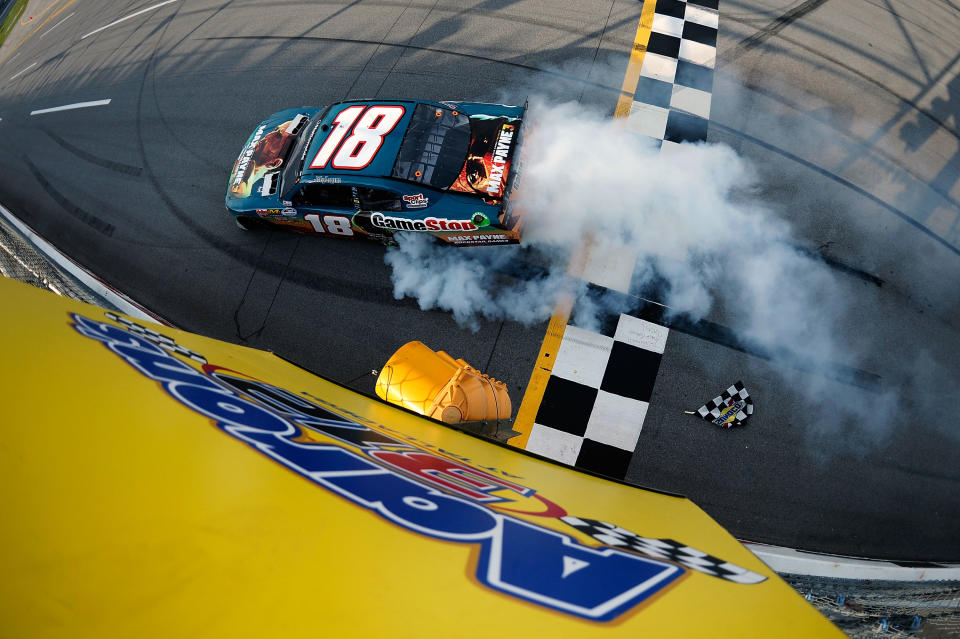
(438, 386)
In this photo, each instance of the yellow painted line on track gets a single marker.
(532, 397)
(541, 374)
(39, 26)
(548, 354)
(25, 22)
(640, 41)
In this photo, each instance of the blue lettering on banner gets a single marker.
(552, 569)
(307, 413)
(517, 558)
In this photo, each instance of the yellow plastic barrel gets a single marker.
(434, 384)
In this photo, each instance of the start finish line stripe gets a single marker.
(632, 76)
(67, 107)
(591, 388)
(533, 396)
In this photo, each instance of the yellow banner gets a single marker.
(158, 483)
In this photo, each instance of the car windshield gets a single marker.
(299, 152)
(434, 147)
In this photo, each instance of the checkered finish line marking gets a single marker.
(667, 549)
(672, 95)
(637, 54)
(540, 376)
(597, 394)
(589, 390)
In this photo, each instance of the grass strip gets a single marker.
(10, 20)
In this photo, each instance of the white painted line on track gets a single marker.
(23, 71)
(67, 107)
(56, 25)
(798, 562)
(125, 18)
(91, 281)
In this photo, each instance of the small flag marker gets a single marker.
(730, 408)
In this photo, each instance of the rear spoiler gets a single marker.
(512, 218)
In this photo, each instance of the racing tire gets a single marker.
(249, 223)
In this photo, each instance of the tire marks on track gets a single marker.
(413, 47)
(843, 182)
(118, 167)
(262, 288)
(98, 224)
(775, 27)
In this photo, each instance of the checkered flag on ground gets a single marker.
(164, 342)
(667, 549)
(730, 408)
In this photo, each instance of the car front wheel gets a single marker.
(249, 223)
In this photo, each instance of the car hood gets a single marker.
(266, 151)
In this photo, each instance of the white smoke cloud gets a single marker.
(586, 176)
(468, 283)
(695, 223)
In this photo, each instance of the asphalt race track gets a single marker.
(849, 111)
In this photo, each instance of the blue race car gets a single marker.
(371, 168)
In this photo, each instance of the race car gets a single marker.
(371, 168)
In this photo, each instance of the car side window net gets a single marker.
(324, 195)
(434, 146)
(378, 199)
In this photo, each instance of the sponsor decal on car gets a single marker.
(489, 155)
(478, 239)
(246, 156)
(415, 201)
(381, 221)
(501, 159)
(263, 155)
(480, 219)
(321, 179)
(481, 239)
(355, 194)
(285, 216)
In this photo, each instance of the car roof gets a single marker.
(382, 162)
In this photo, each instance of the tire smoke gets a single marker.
(689, 220)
